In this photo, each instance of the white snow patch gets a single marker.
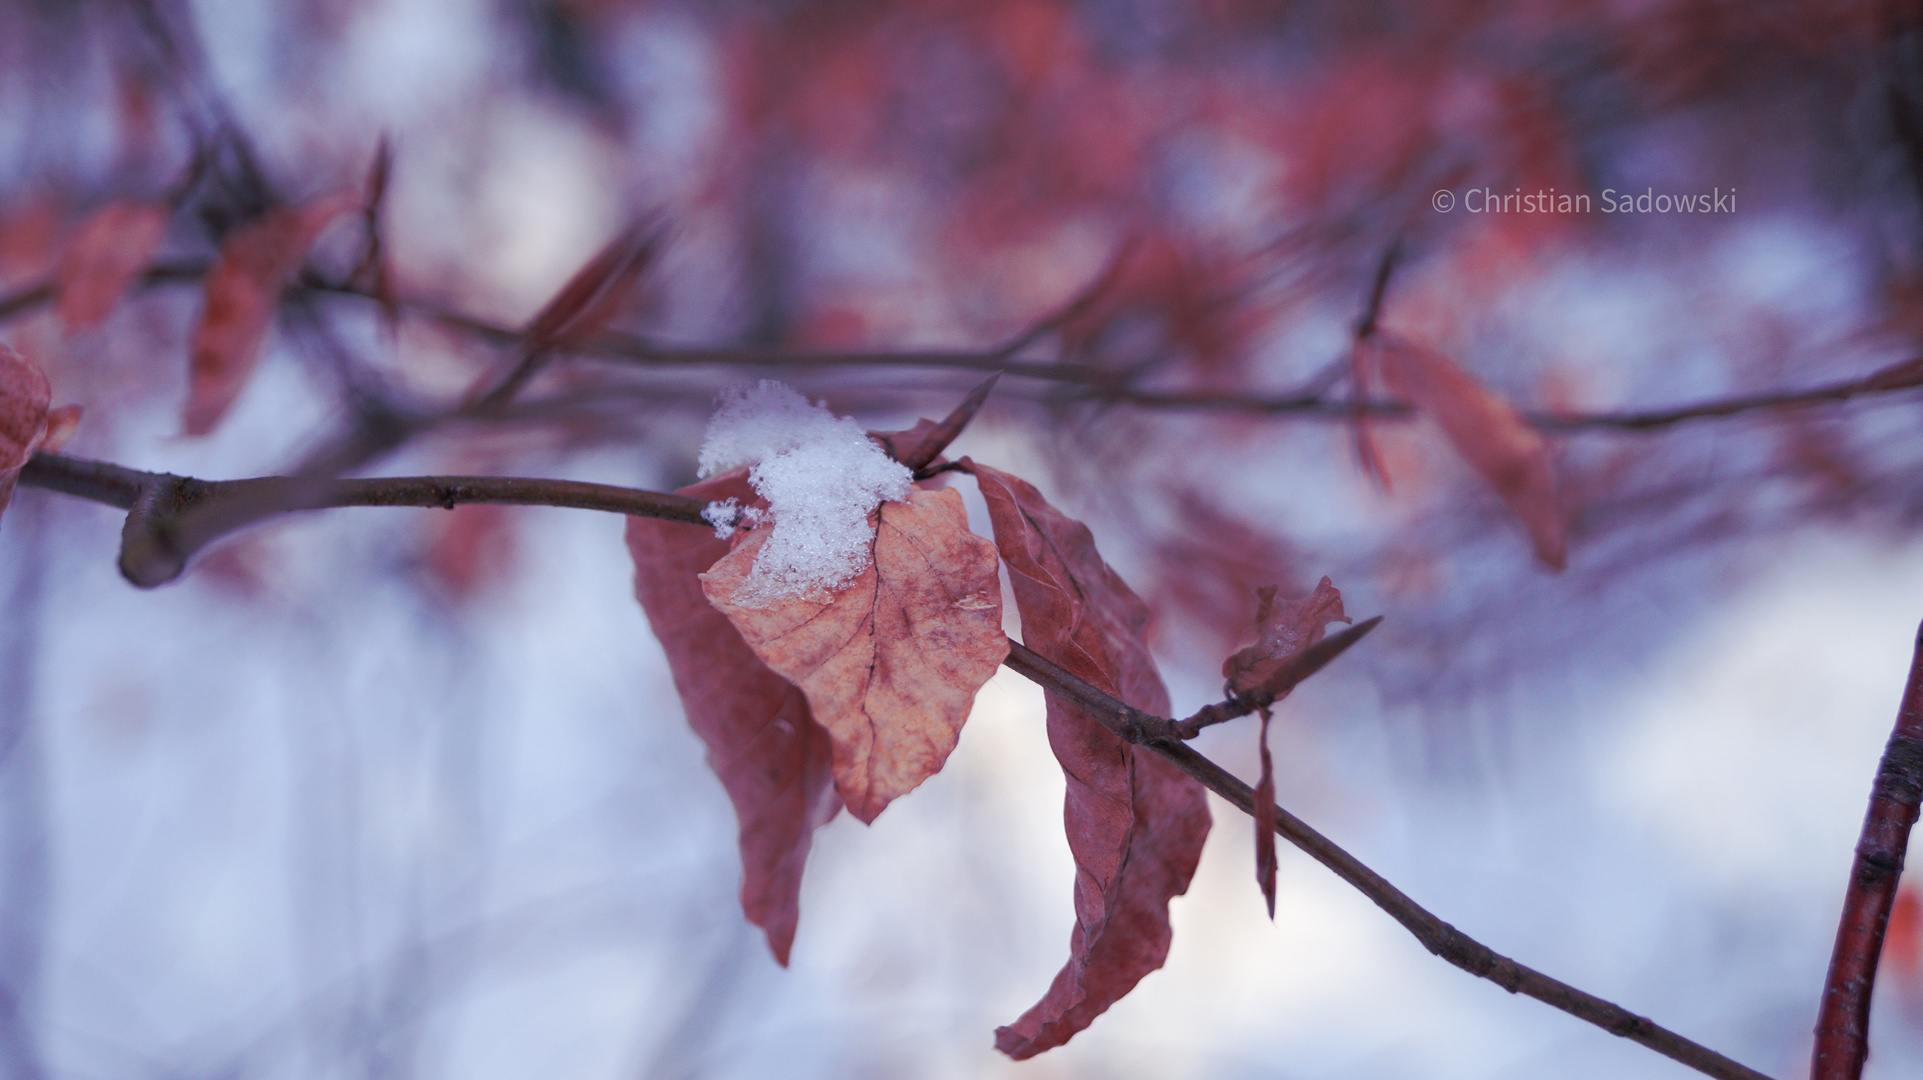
(822, 477)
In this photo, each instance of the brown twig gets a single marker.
(1843, 1022)
(1094, 385)
(1133, 725)
(161, 533)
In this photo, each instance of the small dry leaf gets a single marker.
(61, 424)
(24, 396)
(1265, 818)
(600, 290)
(771, 756)
(892, 661)
(1282, 631)
(1487, 432)
(1135, 822)
(107, 250)
(242, 291)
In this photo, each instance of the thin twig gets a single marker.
(1440, 938)
(1843, 1023)
(1095, 385)
(161, 534)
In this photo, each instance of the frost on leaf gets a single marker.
(1487, 432)
(821, 477)
(101, 259)
(891, 662)
(24, 397)
(1135, 823)
(242, 291)
(764, 745)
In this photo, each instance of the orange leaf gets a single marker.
(1487, 432)
(763, 743)
(24, 396)
(891, 662)
(243, 288)
(1135, 823)
(106, 252)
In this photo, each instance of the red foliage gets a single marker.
(1135, 824)
(772, 757)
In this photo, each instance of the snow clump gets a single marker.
(822, 477)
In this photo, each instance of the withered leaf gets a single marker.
(24, 396)
(1282, 631)
(105, 253)
(242, 290)
(1487, 432)
(1135, 823)
(891, 662)
(1265, 817)
(772, 758)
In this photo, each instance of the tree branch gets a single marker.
(1843, 1022)
(161, 535)
(1134, 726)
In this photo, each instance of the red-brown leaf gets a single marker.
(24, 396)
(1281, 632)
(1265, 817)
(1486, 431)
(1135, 823)
(891, 662)
(101, 259)
(771, 756)
(243, 288)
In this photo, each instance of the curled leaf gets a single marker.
(771, 756)
(107, 250)
(1265, 817)
(1135, 823)
(1487, 432)
(1282, 632)
(891, 662)
(24, 396)
(242, 290)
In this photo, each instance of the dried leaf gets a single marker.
(1282, 631)
(1486, 431)
(106, 252)
(1265, 818)
(892, 661)
(599, 290)
(24, 396)
(764, 745)
(243, 288)
(61, 424)
(1135, 823)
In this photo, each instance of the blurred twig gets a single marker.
(1843, 1023)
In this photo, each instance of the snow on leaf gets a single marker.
(1487, 432)
(101, 259)
(822, 477)
(1282, 631)
(24, 396)
(892, 661)
(242, 291)
(1135, 823)
(771, 756)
